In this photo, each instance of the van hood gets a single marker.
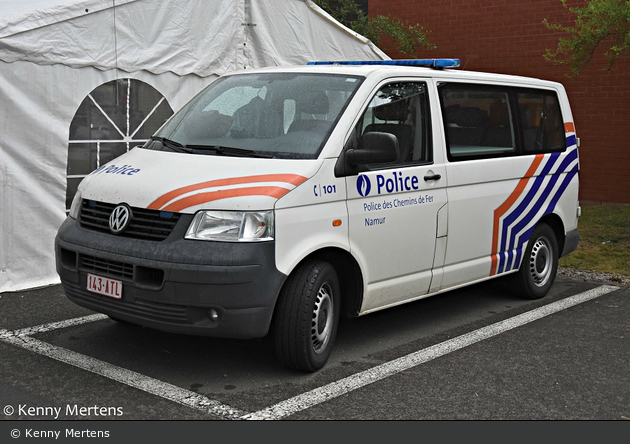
(185, 183)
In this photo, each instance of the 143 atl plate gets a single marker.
(105, 286)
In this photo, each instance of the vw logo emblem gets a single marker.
(119, 219)
(364, 186)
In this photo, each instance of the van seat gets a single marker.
(312, 104)
(395, 114)
(499, 130)
(465, 126)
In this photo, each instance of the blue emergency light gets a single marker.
(432, 63)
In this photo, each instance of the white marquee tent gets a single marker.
(59, 60)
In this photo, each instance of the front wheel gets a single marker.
(540, 264)
(307, 316)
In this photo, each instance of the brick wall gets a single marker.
(505, 36)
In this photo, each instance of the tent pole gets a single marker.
(115, 49)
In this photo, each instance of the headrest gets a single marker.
(397, 111)
(468, 117)
(314, 102)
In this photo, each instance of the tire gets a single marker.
(540, 264)
(307, 316)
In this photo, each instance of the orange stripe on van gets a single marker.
(201, 198)
(500, 211)
(569, 127)
(292, 179)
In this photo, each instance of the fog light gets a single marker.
(213, 315)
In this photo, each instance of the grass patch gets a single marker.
(604, 240)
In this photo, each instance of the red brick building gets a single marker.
(509, 37)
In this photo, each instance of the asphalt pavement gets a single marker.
(474, 354)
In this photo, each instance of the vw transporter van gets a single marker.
(278, 200)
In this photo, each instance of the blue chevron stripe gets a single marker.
(514, 259)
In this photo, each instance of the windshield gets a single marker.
(271, 115)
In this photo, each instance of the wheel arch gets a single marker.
(555, 223)
(349, 274)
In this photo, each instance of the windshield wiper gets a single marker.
(175, 146)
(210, 149)
(228, 151)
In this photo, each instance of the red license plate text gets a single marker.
(105, 286)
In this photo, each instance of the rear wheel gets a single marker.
(307, 316)
(540, 264)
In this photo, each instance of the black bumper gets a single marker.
(172, 285)
(571, 241)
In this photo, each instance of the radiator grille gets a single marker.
(145, 224)
(107, 267)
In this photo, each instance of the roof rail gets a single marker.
(432, 63)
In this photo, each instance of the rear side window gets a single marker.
(541, 120)
(478, 121)
(484, 121)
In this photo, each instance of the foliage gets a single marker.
(604, 240)
(598, 23)
(409, 38)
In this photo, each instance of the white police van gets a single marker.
(279, 199)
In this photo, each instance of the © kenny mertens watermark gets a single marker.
(56, 434)
(55, 412)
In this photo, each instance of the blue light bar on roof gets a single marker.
(433, 63)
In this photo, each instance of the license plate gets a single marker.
(105, 286)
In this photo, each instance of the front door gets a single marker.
(393, 208)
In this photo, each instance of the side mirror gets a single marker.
(376, 147)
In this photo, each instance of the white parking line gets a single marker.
(22, 338)
(29, 331)
(358, 380)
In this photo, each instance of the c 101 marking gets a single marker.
(321, 190)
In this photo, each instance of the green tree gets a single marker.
(409, 38)
(604, 23)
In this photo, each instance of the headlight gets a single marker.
(232, 226)
(75, 208)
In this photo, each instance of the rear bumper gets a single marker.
(571, 241)
(173, 285)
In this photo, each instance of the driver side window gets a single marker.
(401, 109)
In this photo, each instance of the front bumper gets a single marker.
(172, 285)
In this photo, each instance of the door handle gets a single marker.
(432, 177)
